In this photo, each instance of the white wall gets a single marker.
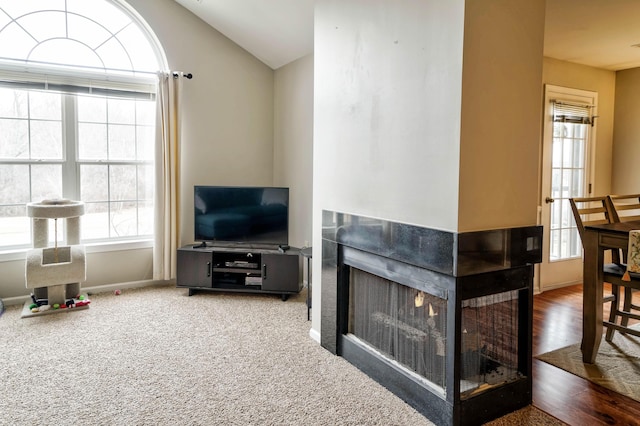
(387, 110)
(388, 79)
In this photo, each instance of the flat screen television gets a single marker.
(241, 215)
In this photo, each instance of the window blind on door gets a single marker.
(565, 112)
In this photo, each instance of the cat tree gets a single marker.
(55, 273)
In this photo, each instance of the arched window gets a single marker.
(77, 115)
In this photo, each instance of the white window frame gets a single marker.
(71, 164)
(138, 77)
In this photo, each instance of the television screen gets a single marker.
(252, 215)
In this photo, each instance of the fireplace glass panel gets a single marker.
(404, 324)
(489, 342)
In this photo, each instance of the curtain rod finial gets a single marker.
(177, 74)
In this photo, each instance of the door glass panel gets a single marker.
(567, 181)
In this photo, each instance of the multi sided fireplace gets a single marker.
(443, 320)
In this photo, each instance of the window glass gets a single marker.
(14, 103)
(92, 109)
(94, 148)
(122, 142)
(93, 179)
(95, 222)
(46, 140)
(92, 141)
(19, 8)
(120, 179)
(14, 139)
(145, 182)
(146, 113)
(81, 27)
(15, 42)
(112, 18)
(124, 222)
(145, 137)
(14, 184)
(45, 106)
(15, 226)
(93, 33)
(46, 181)
(122, 111)
(45, 25)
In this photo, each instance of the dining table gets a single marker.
(597, 239)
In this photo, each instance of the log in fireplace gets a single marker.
(443, 320)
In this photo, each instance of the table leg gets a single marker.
(592, 280)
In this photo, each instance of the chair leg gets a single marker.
(628, 297)
(613, 312)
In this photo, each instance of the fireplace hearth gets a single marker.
(441, 319)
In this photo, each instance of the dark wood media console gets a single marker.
(239, 269)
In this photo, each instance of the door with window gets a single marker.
(567, 166)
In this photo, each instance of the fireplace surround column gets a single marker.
(441, 319)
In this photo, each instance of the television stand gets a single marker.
(239, 269)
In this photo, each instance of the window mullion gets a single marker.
(70, 173)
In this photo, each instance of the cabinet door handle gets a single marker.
(208, 269)
(264, 271)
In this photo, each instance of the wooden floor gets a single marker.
(557, 322)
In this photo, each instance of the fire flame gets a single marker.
(431, 312)
(419, 299)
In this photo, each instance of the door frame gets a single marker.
(568, 94)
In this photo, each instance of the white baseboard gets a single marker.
(20, 300)
(314, 335)
(560, 285)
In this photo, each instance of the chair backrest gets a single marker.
(625, 207)
(593, 211)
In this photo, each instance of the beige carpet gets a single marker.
(617, 365)
(155, 356)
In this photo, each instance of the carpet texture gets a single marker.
(617, 365)
(155, 356)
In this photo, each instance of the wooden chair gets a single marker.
(626, 208)
(593, 211)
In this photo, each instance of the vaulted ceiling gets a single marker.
(599, 33)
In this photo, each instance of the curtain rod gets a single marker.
(186, 75)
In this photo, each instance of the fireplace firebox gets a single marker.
(443, 320)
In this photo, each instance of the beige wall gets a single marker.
(227, 124)
(567, 74)
(626, 147)
(228, 128)
(501, 113)
(293, 156)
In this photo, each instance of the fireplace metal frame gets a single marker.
(455, 267)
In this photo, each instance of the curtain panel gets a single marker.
(167, 173)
